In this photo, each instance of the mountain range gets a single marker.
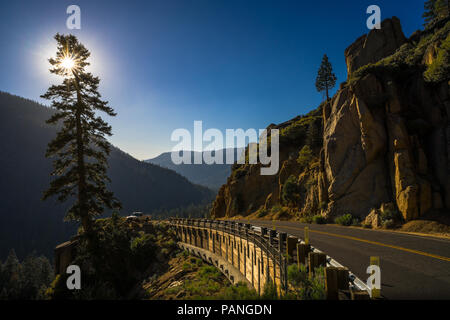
(212, 176)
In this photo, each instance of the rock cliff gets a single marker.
(382, 141)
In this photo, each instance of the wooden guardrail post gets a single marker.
(336, 279)
(272, 234)
(331, 283)
(343, 278)
(291, 247)
(282, 240)
(359, 295)
(303, 250)
(316, 260)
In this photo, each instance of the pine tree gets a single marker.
(436, 10)
(80, 148)
(305, 157)
(429, 14)
(326, 79)
(12, 277)
(442, 8)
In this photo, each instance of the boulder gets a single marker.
(373, 219)
(376, 45)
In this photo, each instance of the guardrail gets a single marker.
(263, 248)
(268, 250)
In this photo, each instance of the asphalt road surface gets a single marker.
(412, 266)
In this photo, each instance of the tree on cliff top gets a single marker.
(436, 10)
(326, 79)
(80, 148)
(429, 14)
(442, 8)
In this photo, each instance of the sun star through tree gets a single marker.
(80, 148)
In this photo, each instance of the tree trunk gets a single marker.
(326, 88)
(83, 210)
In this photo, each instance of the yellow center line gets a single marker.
(375, 243)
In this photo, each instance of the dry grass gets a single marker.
(437, 224)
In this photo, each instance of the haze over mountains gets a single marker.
(212, 176)
(26, 222)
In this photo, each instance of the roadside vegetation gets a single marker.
(347, 220)
(302, 286)
(121, 255)
(190, 278)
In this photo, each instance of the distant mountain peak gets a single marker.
(212, 176)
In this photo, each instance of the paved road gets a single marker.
(412, 266)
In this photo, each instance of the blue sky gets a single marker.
(163, 64)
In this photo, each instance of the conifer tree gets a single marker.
(326, 79)
(436, 10)
(442, 8)
(11, 278)
(429, 14)
(80, 148)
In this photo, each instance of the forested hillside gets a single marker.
(26, 222)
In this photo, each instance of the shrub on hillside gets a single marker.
(319, 219)
(239, 291)
(305, 287)
(344, 220)
(262, 213)
(305, 157)
(411, 54)
(393, 215)
(306, 219)
(439, 70)
(289, 192)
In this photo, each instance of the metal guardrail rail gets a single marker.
(354, 281)
(270, 241)
(266, 240)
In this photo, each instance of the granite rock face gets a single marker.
(384, 138)
(377, 44)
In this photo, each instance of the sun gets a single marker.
(68, 63)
